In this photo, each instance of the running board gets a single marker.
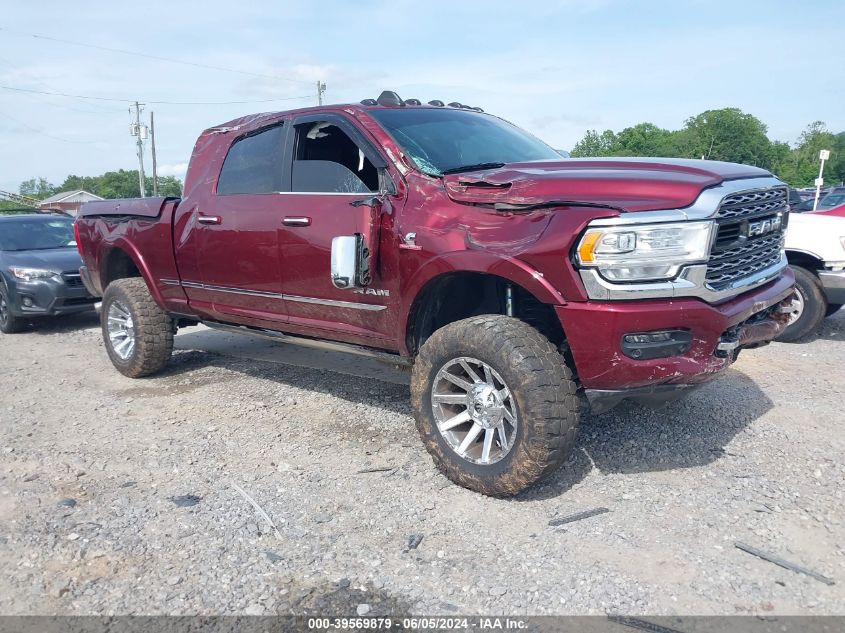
(329, 346)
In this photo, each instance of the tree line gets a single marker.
(112, 184)
(731, 135)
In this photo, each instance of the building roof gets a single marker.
(78, 195)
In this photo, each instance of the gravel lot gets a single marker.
(120, 496)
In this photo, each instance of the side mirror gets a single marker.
(350, 268)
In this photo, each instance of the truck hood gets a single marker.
(58, 260)
(630, 184)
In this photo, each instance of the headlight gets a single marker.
(644, 252)
(28, 274)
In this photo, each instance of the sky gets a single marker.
(556, 67)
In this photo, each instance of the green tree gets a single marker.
(644, 139)
(594, 144)
(38, 188)
(728, 134)
(800, 167)
(122, 184)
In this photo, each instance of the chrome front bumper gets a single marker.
(833, 283)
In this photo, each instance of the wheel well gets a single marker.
(454, 296)
(804, 260)
(118, 265)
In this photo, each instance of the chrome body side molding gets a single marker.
(334, 303)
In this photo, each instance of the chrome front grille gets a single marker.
(737, 253)
(751, 203)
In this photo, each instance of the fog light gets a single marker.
(27, 302)
(648, 345)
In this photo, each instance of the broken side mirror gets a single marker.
(350, 262)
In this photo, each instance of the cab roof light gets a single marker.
(389, 98)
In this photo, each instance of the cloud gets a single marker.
(173, 169)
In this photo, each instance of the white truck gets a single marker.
(815, 248)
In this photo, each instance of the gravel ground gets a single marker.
(121, 496)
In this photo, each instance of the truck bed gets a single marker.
(138, 207)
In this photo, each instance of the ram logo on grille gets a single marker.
(764, 227)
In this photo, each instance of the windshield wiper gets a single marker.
(476, 167)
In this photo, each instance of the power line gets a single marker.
(99, 110)
(41, 132)
(74, 96)
(156, 57)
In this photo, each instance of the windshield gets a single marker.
(443, 140)
(30, 235)
(832, 200)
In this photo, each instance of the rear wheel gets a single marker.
(495, 404)
(137, 333)
(808, 306)
(9, 323)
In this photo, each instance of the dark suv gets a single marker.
(39, 270)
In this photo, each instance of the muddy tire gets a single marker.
(9, 324)
(495, 404)
(809, 306)
(137, 333)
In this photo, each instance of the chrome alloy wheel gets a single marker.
(796, 308)
(121, 330)
(4, 309)
(474, 410)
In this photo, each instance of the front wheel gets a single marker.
(9, 323)
(495, 404)
(808, 306)
(137, 333)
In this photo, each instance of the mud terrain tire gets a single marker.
(544, 396)
(150, 326)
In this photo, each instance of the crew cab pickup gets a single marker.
(516, 283)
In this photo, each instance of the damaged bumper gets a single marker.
(833, 283)
(609, 374)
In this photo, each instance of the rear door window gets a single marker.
(253, 164)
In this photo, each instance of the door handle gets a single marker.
(208, 219)
(296, 221)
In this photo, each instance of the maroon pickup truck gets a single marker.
(518, 284)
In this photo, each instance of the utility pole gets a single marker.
(138, 130)
(823, 155)
(321, 89)
(153, 147)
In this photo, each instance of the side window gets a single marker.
(253, 164)
(326, 160)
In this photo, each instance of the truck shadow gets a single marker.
(627, 440)
(689, 433)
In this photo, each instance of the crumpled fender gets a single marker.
(504, 266)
